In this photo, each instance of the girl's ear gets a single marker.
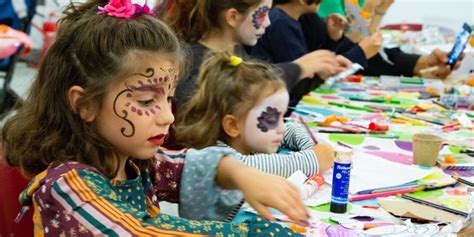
(75, 93)
(230, 125)
(232, 17)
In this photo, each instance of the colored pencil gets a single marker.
(420, 187)
(307, 129)
(415, 116)
(348, 106)
(434, 205)
(386, 189)
(383, 194)
(461, 180)
(463, 167)
(441, 105)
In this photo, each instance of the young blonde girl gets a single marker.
(239, 106)
(97, 112)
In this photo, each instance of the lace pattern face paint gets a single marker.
(150, 88)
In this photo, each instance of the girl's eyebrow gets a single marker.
(145, 88)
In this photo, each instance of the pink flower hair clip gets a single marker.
(125, 9)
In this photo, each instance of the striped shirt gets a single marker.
(225, 203)
(300, 156)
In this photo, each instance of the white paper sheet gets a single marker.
(370, 172)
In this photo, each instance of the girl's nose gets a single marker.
(281, 127)
(165, 116)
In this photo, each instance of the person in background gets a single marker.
(284, 41)
(228, 25)
(388, 61)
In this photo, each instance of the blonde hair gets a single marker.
(223, 89)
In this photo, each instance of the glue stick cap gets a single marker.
(343, 154)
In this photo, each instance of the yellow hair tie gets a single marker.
(235, 61)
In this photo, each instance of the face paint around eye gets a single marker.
(258, 17)
(269, 119)
(264, 125)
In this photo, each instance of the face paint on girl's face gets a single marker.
(268, 120)
(136, 114)
(254, 24)
(264, 125)
(259, 16)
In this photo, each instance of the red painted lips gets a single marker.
(157, 140)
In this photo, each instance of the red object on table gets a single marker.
(403, 27)
(354, 78)
(377, 127)
(13, 183)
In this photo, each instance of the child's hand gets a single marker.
(262, 190)
(371, 45)
(383, 6)
(321, 62)
(325, 155)
(437, 58)
(335, 24)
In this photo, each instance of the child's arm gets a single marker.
(209, 170)
(296, 138)
(91, 205)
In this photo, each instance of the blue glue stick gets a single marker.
(340, 179)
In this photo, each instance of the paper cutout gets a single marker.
(404, 145)
(348, 139)
(414, 230)
(373, 148)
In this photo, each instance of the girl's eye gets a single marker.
(146, 102)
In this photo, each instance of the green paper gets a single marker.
(349, 139)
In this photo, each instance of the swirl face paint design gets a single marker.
(264, 125)
(258, 17)
(269, 119)
(150, 83)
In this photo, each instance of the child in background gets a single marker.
(228, 25)
(370, 11)
(239, 106)
(389, 61)
(97, 112)
(284, 40)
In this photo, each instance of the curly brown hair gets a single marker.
(93, 51)
(223, 89)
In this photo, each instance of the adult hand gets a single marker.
(335, 24)
(371, 45)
